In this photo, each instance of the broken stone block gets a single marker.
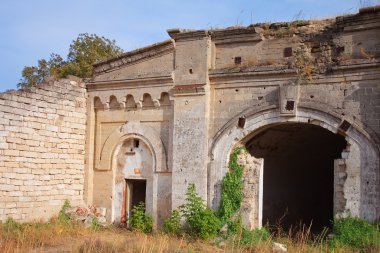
(278, 247)
(101, 211)
(101, 220)
(88, 221)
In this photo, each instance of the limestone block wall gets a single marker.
(42, 146)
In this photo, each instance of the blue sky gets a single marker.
(31, 30)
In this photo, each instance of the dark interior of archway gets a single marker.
(298, 174)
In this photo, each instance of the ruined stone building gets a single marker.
(302, 97)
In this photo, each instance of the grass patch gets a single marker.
(55, 236)
(355, 233)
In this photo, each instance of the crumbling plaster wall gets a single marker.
(336, 69)
(130, 99)
(341, 58)
(190, 115)
(42, 148)
(215, 77)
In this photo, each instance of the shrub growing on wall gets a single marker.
(232, 188)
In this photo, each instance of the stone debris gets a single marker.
(88, 214)
(278, 247)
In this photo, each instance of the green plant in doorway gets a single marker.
(139, 220)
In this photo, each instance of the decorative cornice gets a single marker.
(252, 71)
(187, 34)
(228, 35)
(156, 81)
(236, 73)
(189, 90)
(367, 18)
(235, 34)
(357, 64)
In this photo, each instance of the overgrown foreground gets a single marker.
(61, 236)
(191, 228)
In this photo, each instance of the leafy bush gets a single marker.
(201, 221)
(355, 232)
(63, 216)
(139, 220)
(173, 224)
(232, 188)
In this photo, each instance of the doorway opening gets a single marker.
(136, 189)
(298, 181)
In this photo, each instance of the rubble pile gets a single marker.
(88, 215)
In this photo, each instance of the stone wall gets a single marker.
(331, 67)
(42, 146)
(205, 91)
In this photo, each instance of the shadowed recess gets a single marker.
(298, 174)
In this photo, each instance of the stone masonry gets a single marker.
(154, 120)
(42, 133)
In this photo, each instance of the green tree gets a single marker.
(83, 52)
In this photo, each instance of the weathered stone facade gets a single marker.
(162, 117)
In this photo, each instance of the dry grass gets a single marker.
(16, 237)
(57, 236)
(137, 242)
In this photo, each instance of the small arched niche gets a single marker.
(147, 100)
(130, 102)
(164, 99)
(114, 104)
(98, 103)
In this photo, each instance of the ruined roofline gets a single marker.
(178, 33)
(253, 32)
(133, 56)
(370, 9)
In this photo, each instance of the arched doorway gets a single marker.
(133, 158)
(356, 178)
(133, 178)
(298, 174)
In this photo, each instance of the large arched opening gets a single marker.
(298, 173)
(355, 171)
